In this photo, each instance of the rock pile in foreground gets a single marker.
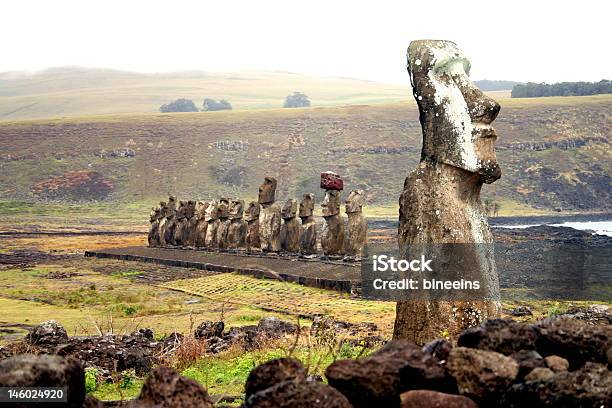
(558, 362)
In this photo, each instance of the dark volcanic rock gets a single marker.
(504, 336)
(274, 327)
(166, 388)
(273, 372)
(574, 340)
(527, 360)
(520, 311)
(298, 394)
(28, 370)
(481, 375)
(379, 379)
(539, 373)
(435, 399)
(135, 358)
(591, 386)
(47, 333)
(438, 348)
(208, 329)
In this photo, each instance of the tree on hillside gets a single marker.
(296, 100)
(533, 90)
(212, 105)
(180, 105)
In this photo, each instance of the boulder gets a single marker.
(208, 329)
(137, 358)
(556, 363)
(481, 374)
(273, 372)
(379, 379)
(28, 370)
(504, 336)
(47, 333)
(438, 348)
(539, 373)
(165, 388)
(435, 399)
(274, 327)
(298, 394)
(527, 360)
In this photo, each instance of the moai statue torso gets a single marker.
(269, 217)
(308, 236)
(291, 228)
(236, 235)
(332, 236)
(168, 223)
(252, 234)
(224, 223)
(440, 202)
(201, 224)
(357, 226)
(212, 219)
(181, 223)
(154, 218)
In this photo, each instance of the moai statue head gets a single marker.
(354, 202)
(267, 190)
(289, 209)
(236, 209)
(163, 207)
(212, 211)
(155, 214)
(307, 205)
(190, 210)
(171, 207)
(455, 115)
(252, 211)
(200, 209)
(331, 203)
(223, 207)
(181, 212)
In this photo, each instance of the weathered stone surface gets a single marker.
(332, 236)
(273, 372)
(291, 228)
(192, 222)
(574, 340)
(438, 348)
(308, 235)
(331, 181)
(504, 336)
(269, 217)
(267, 191)
(137, 358)
(236, 235)
(201, 224)
(27, 370)
(298, 394)
(211, 216)
(224, 223)
(208, 329)
(527, 361)
(47, 333)
(275, 327)
(180, 229)
(590, 386)
(379, 379)
(154, 218)
(252, 235)
(539, 374)
(482, 375)
(357, 226)
(166, 388)
(440, 202)
(556, 363)
(168, 222)
(435, 399)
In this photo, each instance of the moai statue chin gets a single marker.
(181, 224)
(168, 223)
(251, 216)
(236, 235)
(308, 236)
(357, 226)
(154, 218)
(332, 236)
(440, 203)
(224, 223)
(269, 217)
(291, 228)
(211, 216)
(192, 222)
(201, 224)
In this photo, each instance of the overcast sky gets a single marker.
(535, 40)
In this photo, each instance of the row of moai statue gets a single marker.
(265, 225)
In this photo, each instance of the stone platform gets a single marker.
(333, 275)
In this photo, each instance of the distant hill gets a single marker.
(489, 85)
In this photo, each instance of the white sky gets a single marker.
(535, 40)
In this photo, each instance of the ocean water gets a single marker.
(598, 227)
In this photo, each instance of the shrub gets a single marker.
(296, 100)
(212, 105)
(180, 105)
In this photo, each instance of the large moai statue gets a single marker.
(211, 216)
(440, 203)
(168, 223)
(181, 223)
(332, 236)
(224, 223)
(236, 235)
(357, 226)
(308, 236)
(154, 219)
(192, 222)
(252, 234)
(291, 228)
(269, 217)
(201, 224)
